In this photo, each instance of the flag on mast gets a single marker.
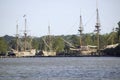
(24, 15)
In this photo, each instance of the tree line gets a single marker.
(59, 45)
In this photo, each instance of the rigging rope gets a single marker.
(90, 18)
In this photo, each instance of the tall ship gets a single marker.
(48, 45)
(84, 49)
(90, 49)
(23, 44)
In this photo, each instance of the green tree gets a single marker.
(118, 31)
(75, 40)
(12, 44)
(41, 44)
(3, 46)
(58, 44)
(111, 38)
(88, 39)
(35, 44)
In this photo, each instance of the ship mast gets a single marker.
(97, 26)
(81, 30)
(25, 33)
(49, 38)
(16, 36)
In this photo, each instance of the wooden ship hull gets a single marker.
(86, 50)
(49, 53)
(25, 53)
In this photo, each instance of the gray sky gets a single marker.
(62, 15)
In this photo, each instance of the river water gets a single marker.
(60, 68)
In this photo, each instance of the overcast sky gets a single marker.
(62, 15)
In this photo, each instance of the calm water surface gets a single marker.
(60, 68)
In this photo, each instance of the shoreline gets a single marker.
(53, 56)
